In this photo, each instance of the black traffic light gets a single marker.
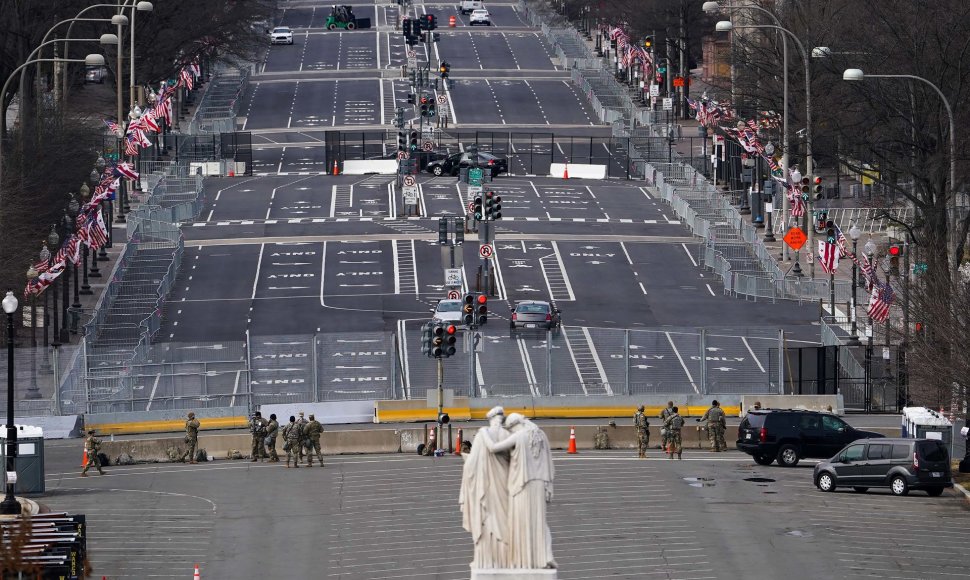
(437, 339)
(459, 231)
(432, 109)
(413, 141)
(895, 251)
(411, 99)
(830, 232)
(430, 22)
(402, 141)
(817, 187)
(820, 218)
(451, 336)
(399, 117)
(426, 340)
(648, 42)
(806, 181)
(435, 37)
(411, 40)
(493, 206)
(406, 26)
(468, 309)
(443, 231)
(479, 214)
(481, 309)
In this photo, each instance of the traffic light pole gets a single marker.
(441, 400)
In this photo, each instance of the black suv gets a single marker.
(789, 435)
(899, 464)
(452, 164)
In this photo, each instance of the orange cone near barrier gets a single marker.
(84, 458)
(572, 440)
(196, 576)
(451, 22)
(458, 444)
(565, 170)
(336, 170)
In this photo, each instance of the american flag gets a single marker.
(131, 145)
(69, 252)
(97, 232)
(127, 171)
(868, 270)
(828, 256)
(41, 266)
(841, 241)
(880, 302)
(185, 78)
(752, 124)
(148, 120)
(113, 127)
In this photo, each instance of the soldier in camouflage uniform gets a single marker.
(666, 412)
(643, 431)
(191, 437)
(302, 422)
(312, 433)
(272, 430)
(292, 437)
(673, 424)
(92, 446)
(257, 427)
(716, 424)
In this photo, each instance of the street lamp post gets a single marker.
(135, 8)
(52, 242)
(855, 74)
(10, 506)
(854, 234)
(870, 250)
(727, 26)
(66, 285)
(85, 193)
(99, 166)
(73, 208)
(712, 7)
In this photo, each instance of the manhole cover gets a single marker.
(760, 479)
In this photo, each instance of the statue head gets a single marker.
(496, 416)
(514, 420)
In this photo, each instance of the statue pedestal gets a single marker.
(513, 574)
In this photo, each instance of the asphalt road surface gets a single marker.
(395, 516)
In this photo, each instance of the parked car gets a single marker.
(470, 6)
(534, 314)
(448, 311)
(789, 435)
(281, 35)
(452, 164)
(899, 464)
(480, 17)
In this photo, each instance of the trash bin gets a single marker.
(924, 423)
(30, 459)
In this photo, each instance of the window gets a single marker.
(809, 423)
(901, 451)
(532, 309)
(932, 451)
(830, 423)
(754, 421)
(854, 452)
(879, 451)
(449, 306)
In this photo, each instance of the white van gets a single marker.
(469, 5)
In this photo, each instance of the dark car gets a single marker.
(899, 464)
(535, 314)
(789, 435)
(452, 164)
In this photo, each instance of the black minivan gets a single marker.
(788, 435)
(899, 464)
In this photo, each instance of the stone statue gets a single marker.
(484, 497)
(529, 488)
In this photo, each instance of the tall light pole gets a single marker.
(727, 26)
(854, 234)
(713, 7)
(135, 8)
(10, 506)
(855, 74)
(90, 60)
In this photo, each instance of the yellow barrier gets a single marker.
(417, 415)
(137, 427)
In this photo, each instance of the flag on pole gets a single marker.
(828, 256)
(880, 302)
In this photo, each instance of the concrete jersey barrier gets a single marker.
(370, 166)
(578, 171)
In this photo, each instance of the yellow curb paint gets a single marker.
(136, 427)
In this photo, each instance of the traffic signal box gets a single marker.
(493, 206)
(895, 251)
(468, 310)
(441, 340)
(481, 309)
(413, 141)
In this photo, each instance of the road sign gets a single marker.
(474, 341)
(412, 63)
(442, 99)
(402, 155)
(795, 238)
(486, 250)
(475, 175)
(474, 190)
(454, 295)
(668, 104)
(452, 278)
(471, 205)
(410, 194)
(411, 54)
(428, 146)
(427, 131)
(654, 90)
(409, 180)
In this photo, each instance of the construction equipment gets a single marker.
(343, 17)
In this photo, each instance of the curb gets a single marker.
(962, 489)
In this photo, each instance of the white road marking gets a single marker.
(259, 263)
(711, 290)
(693, 261)
(599, 365)
(753, 357)
(627, 254)
(642, 289)
(323, 272)
(562, 268)
(403, 354)
(527, 365)
(682, 365)
(397, 267)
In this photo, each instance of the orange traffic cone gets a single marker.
(565, 170)
(458, 444)
(84, 458)
(572, 440)
(196, 576)
(336, 170)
